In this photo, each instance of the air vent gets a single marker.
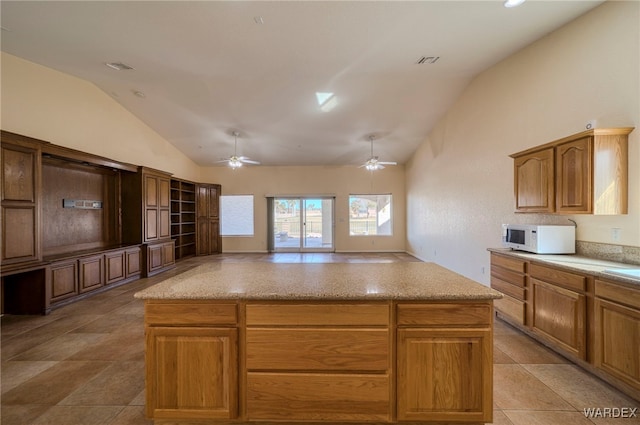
(427, 60)
(119, 66)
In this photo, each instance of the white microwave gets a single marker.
(540, 239)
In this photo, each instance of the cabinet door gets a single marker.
(90, 273)
(133, 262)
(192, 373)
(617, 341)
(559, 316)
(164, 207)
(151, 220)
(573, 176)
(168, 254)
(63, 280)
(533, 182)
(154, 257)
(115, 266)
(20, 197)
(445, 375)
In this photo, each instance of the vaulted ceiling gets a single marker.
(204, 69)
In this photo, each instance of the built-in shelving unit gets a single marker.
(183, 217)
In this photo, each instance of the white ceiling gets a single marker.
(207, 68)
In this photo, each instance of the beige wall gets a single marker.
(49, 105)
(460, 181)
(336, 181)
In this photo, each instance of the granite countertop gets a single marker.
(576, 263)
(329, 281)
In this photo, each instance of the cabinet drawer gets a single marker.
(318, 314)
(510, 276)
(514, 309)
(618, 293)
(190, 313)
(507, 288)
(444, 314)
(558, 277)
(318, 349)
(318, 397)
(514, 264)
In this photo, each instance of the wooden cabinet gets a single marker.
(508, 275)
(191, 361)
(159, 256)
(534, 181)
(559, 308)
(63, 280)
(91, 274)
(617, 331)
(302, 367)
(208, 238)
(445, 362)
(157, 207)
(584, 173)
(21, 187)
(183, 217)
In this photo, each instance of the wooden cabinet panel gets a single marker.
(437, 314)
(309, 314)
(151, 191)
(511, 264)
(18, 230)
(208, 240)
(154, 257)
(559, 315)
(534, 181)
(133, 261)
(573, 176)
(567, 280)
(160, 256)
(517, 292)
(313, 397)
(63, 280)
(164, 193)
(444, 375)
(192, 373)
(617, 341)
(115, 264)
(512, 308)
(190, 313)
(19, 174)
(90, 273)
(508, 275)
(316, 349)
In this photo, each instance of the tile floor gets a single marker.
(83, 364)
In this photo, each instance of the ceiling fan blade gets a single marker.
(248, 161)
(387, 163)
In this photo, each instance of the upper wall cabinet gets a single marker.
(585, 173)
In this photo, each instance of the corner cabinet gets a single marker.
(585, 173)
(208, 240)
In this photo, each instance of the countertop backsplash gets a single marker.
(609, 252)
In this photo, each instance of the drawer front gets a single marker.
(318, 314)
(444, 314)
(190, 313)
(568, 280)
(318, 349)
(512, 308)
(618, 293)
(318, 397)
(510, 276)
(514, 264)
(516, 292)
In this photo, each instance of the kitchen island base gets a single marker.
(319, 361)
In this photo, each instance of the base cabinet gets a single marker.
(195, 373)
(63, 280)
(307, 362)
(160, 257)
(617, 335)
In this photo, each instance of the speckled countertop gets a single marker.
(329, 281)
(577, 263)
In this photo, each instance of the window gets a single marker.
(370, 215)
(236, 215)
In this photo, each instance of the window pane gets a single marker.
(236, 215)
(370, 215)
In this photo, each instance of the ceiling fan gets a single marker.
(236, 161)
(373, 163)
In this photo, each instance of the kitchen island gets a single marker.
(339, 342)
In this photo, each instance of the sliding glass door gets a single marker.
(302, 224)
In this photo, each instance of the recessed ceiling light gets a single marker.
(119, 66)
(513, 3)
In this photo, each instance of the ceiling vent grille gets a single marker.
(427, 60)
